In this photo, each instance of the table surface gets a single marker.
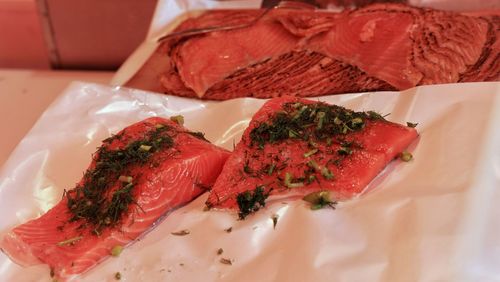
(24, 96)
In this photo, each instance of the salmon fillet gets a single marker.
(377, 42)
(297, 146)
(301, 52)
(135, 178)
(206, 60)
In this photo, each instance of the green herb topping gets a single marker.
(290, 182)
(327, 173)
(199, 135)
(319, 200)
(116, 250)
(249, 202)
(181, 233)
(313, 164)
(310, 153)
(271, 169)
(226, 261)
(406, 156)
(71, 241)
(344, 151)
(106, 191)
(275, 218)
(178, 119)
(411, 124)
(303, 121)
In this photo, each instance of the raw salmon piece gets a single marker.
(203, 61)
(303, 73)
(487, 67)
(168, 174)
(295, 146)
(302, 52)
(383, 137)
(377, 42)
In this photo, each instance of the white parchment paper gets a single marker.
(435, 218)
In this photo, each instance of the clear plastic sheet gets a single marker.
(435, 218)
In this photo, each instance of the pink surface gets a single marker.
(24, 95)
(21, 37)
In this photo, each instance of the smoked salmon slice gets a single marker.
(297, 146)
(134, 180)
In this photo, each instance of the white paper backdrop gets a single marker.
(436, 218)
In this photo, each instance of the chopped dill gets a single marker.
(328, 174)
(313, 164)
(290, 182)
(179, 119)
(310, 153)
(274, 218)
(271, 168)
(375, 115)
(181, 233)
(319, 120)
(411, 124)
(246, 168)
(199, 135)
(70, 241)
(344, 151)
(320, 199)
(406, 156)
(93, 200)
(226, 261)
(249, 202)
(116, 250)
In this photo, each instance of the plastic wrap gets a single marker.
(435, 218)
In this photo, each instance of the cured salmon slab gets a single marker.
(300, 146)
(302, 52)
(135, 179)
